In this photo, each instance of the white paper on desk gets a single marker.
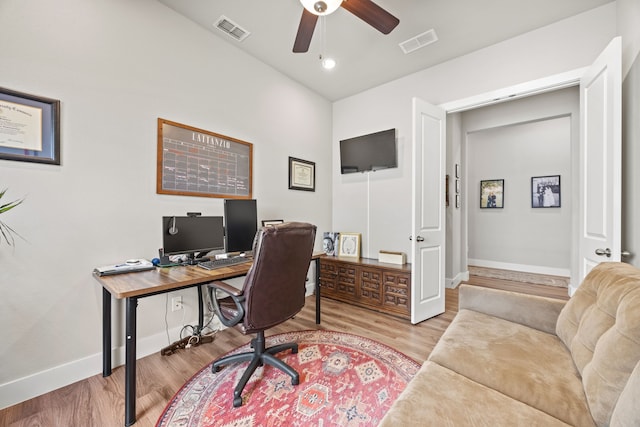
(124, 267)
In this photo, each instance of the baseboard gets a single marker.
(21, 389)
(42, 382)
(459, 278)
(535, 269)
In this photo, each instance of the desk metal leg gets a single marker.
(106, 333)
(200, 312)
(130, 363)
(317, 291)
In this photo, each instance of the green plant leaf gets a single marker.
(7, 233)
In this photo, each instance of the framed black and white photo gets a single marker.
(545, 191)
(30, 127)
(302, 175)
(492, 194)
(271, 222)
(349, 245)
(330, 243)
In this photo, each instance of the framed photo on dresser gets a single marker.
(349, 245)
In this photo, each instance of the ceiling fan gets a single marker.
(366, 10)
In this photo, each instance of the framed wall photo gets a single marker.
(302, 175)
(492, 194)
(30, 130)
(446, 191)
(270, 222)
(349, 245)
(545, 191)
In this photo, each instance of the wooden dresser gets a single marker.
(367, 283)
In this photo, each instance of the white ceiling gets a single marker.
(366, 58)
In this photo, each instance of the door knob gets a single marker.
(604, 252)
(419, 239)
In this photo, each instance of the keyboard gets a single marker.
(224, 262)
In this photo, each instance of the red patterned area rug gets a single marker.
(345, 380)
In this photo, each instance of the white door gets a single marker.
(600, 160)
(428, 215)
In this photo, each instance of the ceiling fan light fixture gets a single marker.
(321, 7)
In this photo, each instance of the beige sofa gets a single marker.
(510, 359)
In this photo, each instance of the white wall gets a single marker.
(566, 45)
(117, 66)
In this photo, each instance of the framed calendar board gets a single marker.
(196, 162)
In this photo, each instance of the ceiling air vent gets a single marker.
(421, 40)
(232, 29)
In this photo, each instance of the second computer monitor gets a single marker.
(241, 224)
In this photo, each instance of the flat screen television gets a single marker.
(241, 224)
(369, 152)
(193, 236)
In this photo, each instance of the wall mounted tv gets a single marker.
(369, 152)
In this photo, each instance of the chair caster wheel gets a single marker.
(295, 381)
(216, 369)
(237, 402)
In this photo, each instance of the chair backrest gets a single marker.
(275, 285)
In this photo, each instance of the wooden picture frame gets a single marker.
(302, 175)
(492, 194)
(545, 191)
(30, 130)
(446, 191)
(197, 162)
(349, 245)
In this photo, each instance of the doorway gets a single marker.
(525, 145)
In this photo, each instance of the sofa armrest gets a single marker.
(529, 310)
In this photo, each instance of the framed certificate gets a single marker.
(29, 127)
(302, 175)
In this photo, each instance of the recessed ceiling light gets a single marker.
(328, 63)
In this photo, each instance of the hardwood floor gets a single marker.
(98, 401)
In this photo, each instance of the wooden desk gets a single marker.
(132, 286)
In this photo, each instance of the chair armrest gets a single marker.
(226, 288)
(529, 310)
(236, 295)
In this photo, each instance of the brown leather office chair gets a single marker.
(273, 292)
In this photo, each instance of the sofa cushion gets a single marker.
(601, 327)
(626, 413)
(525, 364)
(440, 397)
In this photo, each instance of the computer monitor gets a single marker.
(241, 224)
(192, 235)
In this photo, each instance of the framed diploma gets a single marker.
(29, 127)
(302, 175)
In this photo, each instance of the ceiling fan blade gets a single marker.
(372, 14)
(305, 31)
